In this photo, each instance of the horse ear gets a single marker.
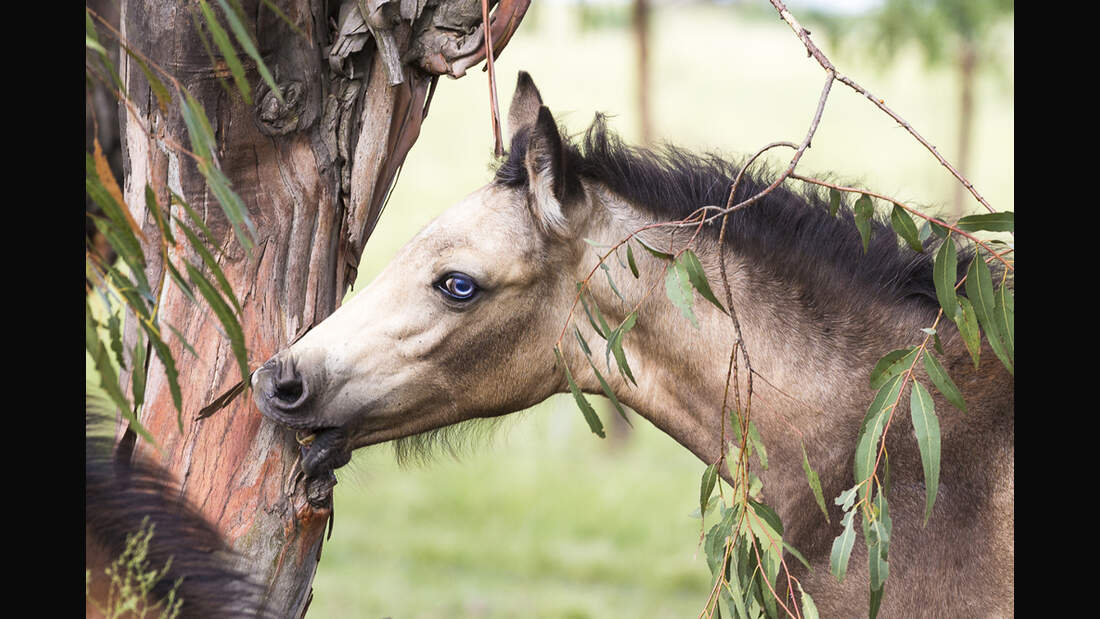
(546, 173)
(526, 101)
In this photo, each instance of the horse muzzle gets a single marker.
(282, 393)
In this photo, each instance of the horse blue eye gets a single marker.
(459, 286)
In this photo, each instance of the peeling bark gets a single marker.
(314, 172)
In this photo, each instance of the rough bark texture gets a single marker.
(314, 173)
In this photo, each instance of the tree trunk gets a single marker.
(967, 73)
(314, 173)
(641, 44)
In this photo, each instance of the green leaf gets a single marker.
(225, 46)
(581, 340)
(867, 447)
(611, 282)
(630, 261)
(815, 483)
(615, 345)
(202, 143)
(967, 321)
(768, 515)
(755, 440)
(842, 548)
(678, 289)
(137, 379)
(601, 329)
(809, 610)
(834, 202)
(91, 40)
(586, 409)
(245, 40)
(945, 273)
(875, 602)
(1004, 312)
(698, 278)
(706, 486)
(225, 316)
(943, 382)
(906, 229)
(211, 264)
(876, 534)
(157, 86)
(927, 428)
(846, 498)
(153, 207)
(893, 363)
(979, 289)
(656, 252)
(108, 379)
(609, 393)
(992, 222)
(864, 211)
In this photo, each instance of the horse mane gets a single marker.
(787, 236)
(120, 495)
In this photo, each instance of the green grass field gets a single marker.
(545, 519)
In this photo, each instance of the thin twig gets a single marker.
(498, 144)
(813, 51)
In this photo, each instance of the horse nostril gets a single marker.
(287, 383)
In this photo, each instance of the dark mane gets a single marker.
(788, 236)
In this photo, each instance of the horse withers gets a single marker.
(463, 325)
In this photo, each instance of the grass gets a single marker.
(547, 520)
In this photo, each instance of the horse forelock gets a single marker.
(788, 235)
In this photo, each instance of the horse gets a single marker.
(467, 323)
(138, 525)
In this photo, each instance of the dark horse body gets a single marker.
(123, 498)
(463, 324)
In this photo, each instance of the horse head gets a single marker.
(460, 325)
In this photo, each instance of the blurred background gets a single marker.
(543, 519)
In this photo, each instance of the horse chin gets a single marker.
(322, 452)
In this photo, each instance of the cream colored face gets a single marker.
(461, 324)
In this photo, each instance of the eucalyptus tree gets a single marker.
(260, 140)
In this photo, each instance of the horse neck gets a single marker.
(809, 371)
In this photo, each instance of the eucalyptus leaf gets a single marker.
(698, 278)
(878, 414)
(653, 250)
(991, 222)
(1005, 316)
(706, 486)
(586, 409)
(842, 548)
(944, 276)
(834, 202)
(967, 321)
(609, 393)
(630, 261)
(678, 289)
(245, 40)
(906, 229)
(864, 211)
(891, 364)
(225, 316)
(815, 483)
(225, 46)
(979, 289)
(755, 440)
(927, 429)
(940, 378)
